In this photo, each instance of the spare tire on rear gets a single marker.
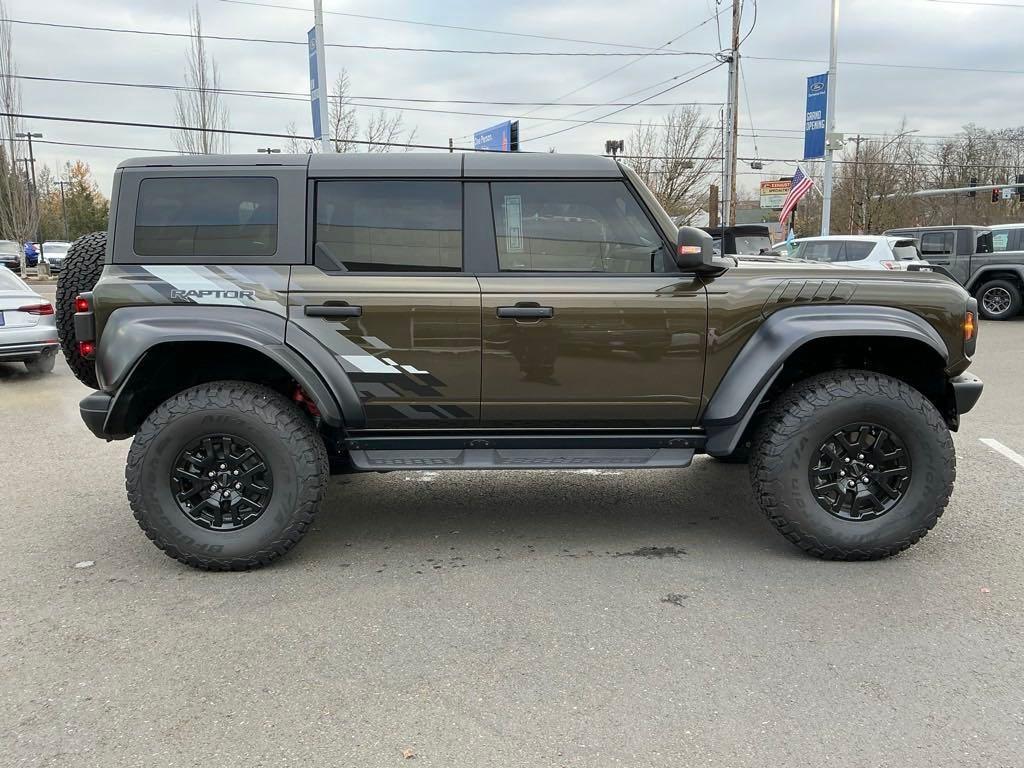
(80, 273)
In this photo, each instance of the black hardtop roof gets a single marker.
(437, 164)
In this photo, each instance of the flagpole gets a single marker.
(830, 121)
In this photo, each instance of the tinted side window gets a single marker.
(389, 226)
(821, 250)
(1000, 240)
(573, 226)
(857, 250)
(936, 244)
(206, 217)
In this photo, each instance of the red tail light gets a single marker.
(82, 305)
(87, 348)
(37, 309)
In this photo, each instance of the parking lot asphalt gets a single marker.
(531, 618)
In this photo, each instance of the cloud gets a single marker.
(869, 99)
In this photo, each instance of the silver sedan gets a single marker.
(28, 328)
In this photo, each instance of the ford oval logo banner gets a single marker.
(815, 117)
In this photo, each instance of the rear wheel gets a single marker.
(999, 300)
(853, 465)
(79, 273)
(226, 476)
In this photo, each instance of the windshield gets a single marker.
(753, 244)
(9, 246)
(55, 249)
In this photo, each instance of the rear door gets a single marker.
(939, 247)
(387, 295)
(586, 321)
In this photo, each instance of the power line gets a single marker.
(233, 38)
(291, 96)
(305, 96)
(445, 148)
(623, 109)
(439, 26)
(975, 2)
(886, 65)
(631, 63)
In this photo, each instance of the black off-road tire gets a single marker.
(79, 273)
(281, 433)
(804, 417)
(1008, 295)
(42, 364)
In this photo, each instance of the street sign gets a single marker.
(314, 85)
(503, 137)
(773, 194)
(815, 117)
(1008, 192)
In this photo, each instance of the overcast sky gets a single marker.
(870, 99)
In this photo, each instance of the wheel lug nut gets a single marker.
(851, 484)
(847, 460)
(213, 486)
(864, 479)
(871, 466)
(214, 474)
(238, 486)
(842, 473)
(226, 494)
(235, 472)
(859, 456)
(224, 466)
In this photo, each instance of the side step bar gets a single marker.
(522, 458)
(386, 453)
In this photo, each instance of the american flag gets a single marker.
(797, 189)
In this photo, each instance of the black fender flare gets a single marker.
(131, 332)
(760, 360)
(986, 273)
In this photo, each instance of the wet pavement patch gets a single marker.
(675, 598)
(650, 552)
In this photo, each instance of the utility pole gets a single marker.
(64, 206)
(856, 201)
(732, 121)
(30, 176)
(326, 145)
(830, 120)
(713, 206)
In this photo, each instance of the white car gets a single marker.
(853, 251)
(28, 328)
(53, 252)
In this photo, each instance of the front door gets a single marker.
(388, 297)
(588, 322)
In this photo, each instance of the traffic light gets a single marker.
(997, 195)
(1020, 186)
(973, 183)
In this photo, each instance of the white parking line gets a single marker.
(1009, 453)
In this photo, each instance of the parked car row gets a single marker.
(987, 261)
(51, 251)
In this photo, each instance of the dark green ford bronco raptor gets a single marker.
(257, 323)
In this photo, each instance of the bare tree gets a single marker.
(19, 215)
(200, 106)
(344, 125)
(674, 159)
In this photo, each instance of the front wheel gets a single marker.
(226, 476)
(853, 465)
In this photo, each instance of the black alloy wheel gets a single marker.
(221, 483)
(860, 472)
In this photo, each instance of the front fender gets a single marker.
(762, 357)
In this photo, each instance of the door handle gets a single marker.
(333, 310)
(519, 312)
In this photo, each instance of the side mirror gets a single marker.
(695, 250)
